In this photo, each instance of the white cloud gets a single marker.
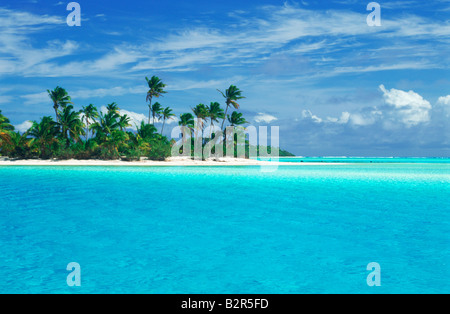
(307, 115)
(24, 126)
(399, 123)
(358, 119)
(42, 97)
(106, 92)
(137, 118)
(36, 98)
(401, 109)
(444, 101)
(182, 85)
(10, 19)
(410, 108)
(17, 54)
(288, 29)
(345, 116)
(264, 117)
(5, 99)
(354, 119)
(382, 67)
(444, 104)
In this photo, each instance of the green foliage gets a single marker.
(88, 134)
(186, 119)
(166, 114)
(155, 110)
(44, 136)
(236, 119)
(18, 146)
(132, 155)
(6, 131)
(70, 124)
(156, 89)
(201, 113)
(146, 131)
(231, 95)
(215, 112)
(160, 149)
(60, 98)
(90, 113)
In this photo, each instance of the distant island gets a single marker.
(92, 134)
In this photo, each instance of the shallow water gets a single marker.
(309, 229)
(366, 160)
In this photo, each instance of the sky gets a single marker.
(334, 85)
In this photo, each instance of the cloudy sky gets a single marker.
(334, 85)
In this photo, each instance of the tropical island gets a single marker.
(88, 133)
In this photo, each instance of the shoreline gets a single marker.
(150, 163)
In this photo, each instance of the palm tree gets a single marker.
(70, 124)
(156, 111)
(146, 131)
(6, 129)
(90, 114)
(115, 139)
(113, 107)
(214, 113)
(156, 89)
(232, 94)
(106, 124)
(236, 119)
(20, 144)
(107, 130)
(124, 122)
(187, 120)
(166, 114)
(59, 97)
(201, 112)
(140, 142)
(44, 133)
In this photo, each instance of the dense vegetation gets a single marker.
(92, 134)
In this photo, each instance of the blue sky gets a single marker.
(334, 85)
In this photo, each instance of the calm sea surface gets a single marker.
(307, 229)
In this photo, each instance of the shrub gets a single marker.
(132, 155)
(159, 150)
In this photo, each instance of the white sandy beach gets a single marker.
(169, 162)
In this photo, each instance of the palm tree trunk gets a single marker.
(150, 111)
(211, 128)
(164, 121)
(56, 112)
(223, 122)
(225, 116)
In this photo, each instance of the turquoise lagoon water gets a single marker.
(307, 229)
(365, 160)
